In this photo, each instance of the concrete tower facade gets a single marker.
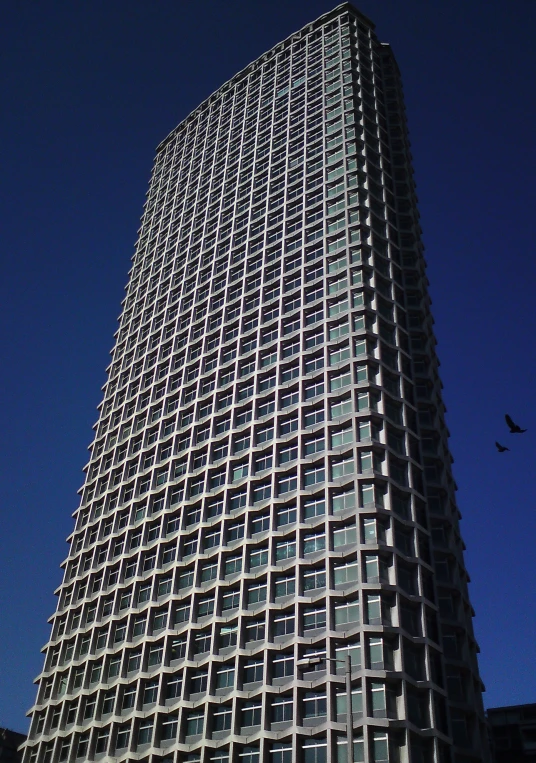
(269, 490)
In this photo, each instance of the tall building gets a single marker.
(269, 489)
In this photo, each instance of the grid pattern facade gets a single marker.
(270, 477)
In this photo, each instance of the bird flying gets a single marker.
(501, 448)
(513, 427)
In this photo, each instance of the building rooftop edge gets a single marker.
(320, 20)
(505, 708)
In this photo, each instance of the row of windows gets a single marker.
(302, 344)
(374, 568)
(210, 540)
(342, 616)
(311, 362)
(384, 747)
(314, 272)
(261, 462)
(339, 500)
(339, 281)
(214, 173)
(236, 500)
(255, 260)
(270, 315)
(336, 230)
(190, 168)
(249, 595)
(163, 223)
(268, 355)
(377, 651)
(370, 698)
(344, 377)
(378, 608)
(265, 211)
(363, 402)
(374, 530)
(295, 199)
(276, 186)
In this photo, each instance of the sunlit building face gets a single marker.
(269, 489)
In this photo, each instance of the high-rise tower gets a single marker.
(269, 488)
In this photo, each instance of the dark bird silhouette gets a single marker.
(501, 448)
(513, 427)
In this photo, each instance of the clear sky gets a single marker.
(88, 89)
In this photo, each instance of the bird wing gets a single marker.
(509, 421)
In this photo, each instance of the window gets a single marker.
(222, 718)
(168, 729)
(285, 550)
(316, 445)
(202, 641)
(228, 636)
(209, 572)
(145, 732)
(314, 543)
(194, 724)
(314, 706)
(182, 614)
(287, 483)
(258, 557)
(186, 579)
(260, 524)
(314, 579)
(251, 714)
(347, 614)
(174, 686)
(255, 630)
(288, 426)
(285, 586)
(357, 702)
(290, 372)
(343, 500)
(288, 454)
(205, 606)
(253, 671)
(257, 593)
(165, 586)
(282, 709)
(102, 742)
(238, 500)
(286, 515)
(314, 417)
(241, 443)
(235, 532)
(314, 507)
(225, 677)
(198, 682)
(340, 468)
(264, 435)
(262, 492)
(123, 734)
(313, 476)
(230, 600)
(345, 536)
(341, 407)
(233, 565)
(156, 652)
(314, 618)
(346, 574)
(240, 471)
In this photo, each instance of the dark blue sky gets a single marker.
(88, 90)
